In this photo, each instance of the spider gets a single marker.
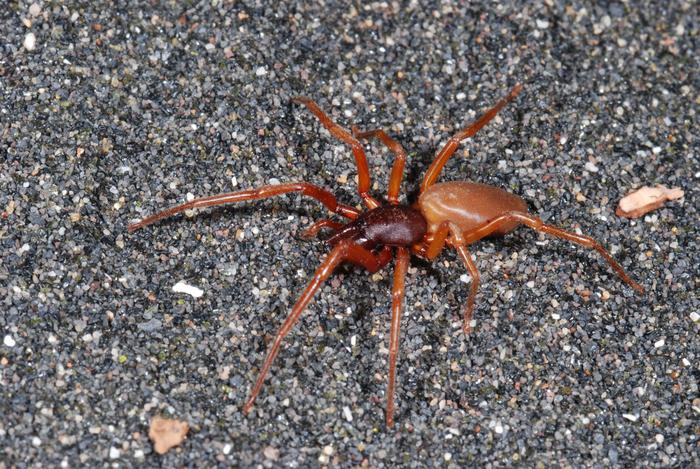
(455, 214)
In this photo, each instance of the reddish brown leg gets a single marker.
(536, 224)
(437, 242)
(433, 248)
(322, 195)
(434, 170)
(345, 136)
(313, 230)
(344, 251)
(399, 160)
(397, 294)
(473, 287)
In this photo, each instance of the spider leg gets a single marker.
(433, 248)
(313, 230)
(264, 192)
(536, 224)
(473, 287)
(397, 294)
(446, 152)
(399, 160)
(344, 251)
(347, 138)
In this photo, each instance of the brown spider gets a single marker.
(466, 211)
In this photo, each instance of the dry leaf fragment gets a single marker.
(167, 433)
(645, 200)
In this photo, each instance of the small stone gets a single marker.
(591, 167)
(182, 287)
(542, 24)
(347, 414)
(271, 453)
(30, 41)
(631, 417)
(167, 433)
(659, 343)
(9, 341)
(114, 453)
(35, 9)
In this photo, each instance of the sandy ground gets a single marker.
(109, 113)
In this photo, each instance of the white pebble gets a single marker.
(182, 287)
(542, 24)
(347, 414)
(631, 417)
(114, 453)
(9, 341)
(34, 9)
(694, 316)
(261, 71)
(227, 448)
(659, 343)
(30, 41)
(36, 441)
(591, 167)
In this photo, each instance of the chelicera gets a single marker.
(455, 214)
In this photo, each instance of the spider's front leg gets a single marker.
(397, 294)
(322, 195)
(345, 251)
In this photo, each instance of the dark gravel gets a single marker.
(121, 110)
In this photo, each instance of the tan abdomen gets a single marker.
(468, 205)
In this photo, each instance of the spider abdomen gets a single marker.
(389, 225)
(468, 205)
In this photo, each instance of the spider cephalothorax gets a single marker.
(452, 213)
